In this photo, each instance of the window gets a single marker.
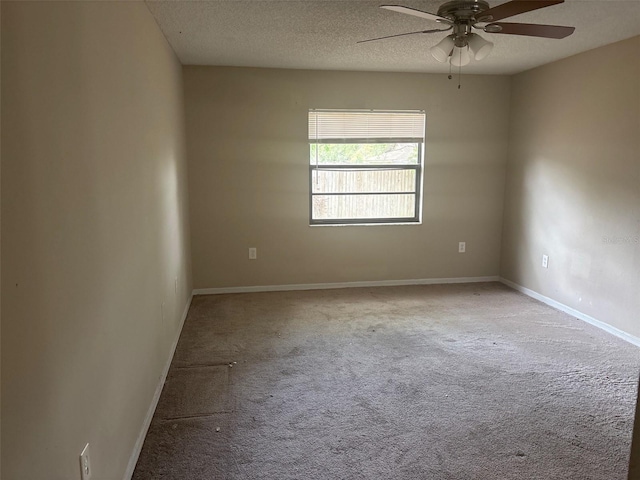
(365, 166)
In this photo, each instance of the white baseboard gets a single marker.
(328, 286)
(573, 312)
(131, 466)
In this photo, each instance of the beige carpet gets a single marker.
(448, 382)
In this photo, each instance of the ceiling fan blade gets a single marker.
(515, 7)
(403, 34)
(530, 29)
(416, 13)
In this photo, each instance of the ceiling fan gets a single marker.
(462, 16)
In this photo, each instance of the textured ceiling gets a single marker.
(322, 34)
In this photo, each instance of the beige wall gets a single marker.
(94, 231)
(248, 177)
(573, 189)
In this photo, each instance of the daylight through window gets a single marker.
(365, 166)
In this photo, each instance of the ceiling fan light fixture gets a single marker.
(443, 49)
(460, 56)
(480, 47)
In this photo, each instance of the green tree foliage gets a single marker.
(363, 153)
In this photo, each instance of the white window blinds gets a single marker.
(341, 126)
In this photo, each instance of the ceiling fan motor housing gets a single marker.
(462, 10)
(463, 14)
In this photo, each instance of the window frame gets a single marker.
(418, 168)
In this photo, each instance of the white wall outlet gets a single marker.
(462, 247)
(545, 261)
(253, 253)
(85, 464)
(176, 285)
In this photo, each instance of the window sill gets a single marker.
(395, 224)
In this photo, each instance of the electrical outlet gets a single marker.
(545, 261)
(462, 247)
(253, 253)
(176, 285)
(85, 464)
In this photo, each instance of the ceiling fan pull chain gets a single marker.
(459, 72)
